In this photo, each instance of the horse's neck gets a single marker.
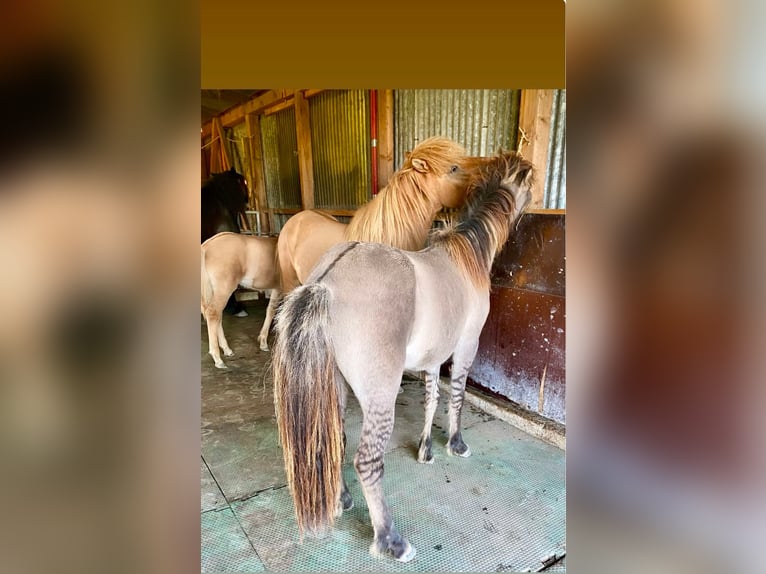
(396, 219)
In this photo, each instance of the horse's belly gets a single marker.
(423, 356)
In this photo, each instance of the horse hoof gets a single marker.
(465, 454)
(221, 365)
(228, 352)
(265, 348)
(401, 550)
(425, 459)
(242, 313)
(408, 553)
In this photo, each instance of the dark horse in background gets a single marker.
(224, 198)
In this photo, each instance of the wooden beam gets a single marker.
(547, 211)
(385, 137)
(305, 159)
(279, 107)
(284, 210)
(237, 114)
(534, 136)
(256, 154)
(293, 211)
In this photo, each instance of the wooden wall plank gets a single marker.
(385, 137)
(256, 153)
(305, 158)
(534, 136)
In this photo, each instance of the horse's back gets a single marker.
(372, 294)
(304, 239)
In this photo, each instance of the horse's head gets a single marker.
(443, 170)
(225, 198)
(240, 191)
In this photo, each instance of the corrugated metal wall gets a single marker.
(483, 121)
(556, 177)
(239, 153)
(280, 160)
(340, 148)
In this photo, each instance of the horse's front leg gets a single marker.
(431, 402)
(461, 363)
(376, 431)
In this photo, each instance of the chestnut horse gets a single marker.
(434, 175)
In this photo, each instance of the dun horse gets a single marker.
(367, 312)
(229, 260)
(433, 176)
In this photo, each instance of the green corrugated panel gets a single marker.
(483, 121)
(556, 177)
(280, 160)
(239, 152)
(340, 148)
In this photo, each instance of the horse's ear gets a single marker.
(420, 165)
(526, 173)
(231, 170)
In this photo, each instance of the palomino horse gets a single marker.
(224, 199)
(229, 260)
(367, 312)
(433, 176)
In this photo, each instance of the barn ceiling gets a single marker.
(214, 102)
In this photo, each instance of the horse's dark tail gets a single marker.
(307, 406)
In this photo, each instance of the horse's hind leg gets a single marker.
(432, 400)
(461, 362)
(213, 320)
(263, 337)
(376, 431)
(213, 312)
(346, 501)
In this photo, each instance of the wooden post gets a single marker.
(385, 137)
(219, 153)
(259, 179)
(534, 136)
(305, 161)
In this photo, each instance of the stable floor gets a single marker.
(503, 509)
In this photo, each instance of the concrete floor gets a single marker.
(501, 510)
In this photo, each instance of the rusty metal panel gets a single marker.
(556, 173)
(521, 352)
(535, 256)
(483, 121)
(280, 159)
(340, 148)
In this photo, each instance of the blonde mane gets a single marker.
(485, 222)
(401, 214)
